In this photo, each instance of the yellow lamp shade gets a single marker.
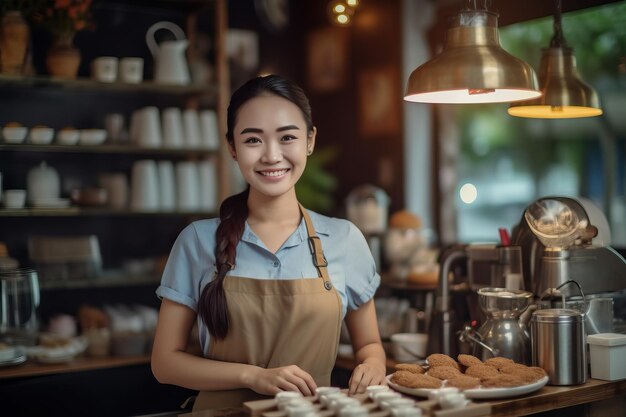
(565, 94)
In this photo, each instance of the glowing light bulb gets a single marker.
(468, 193)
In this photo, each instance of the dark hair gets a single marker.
(212, 305)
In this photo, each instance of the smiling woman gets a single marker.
(269, 282)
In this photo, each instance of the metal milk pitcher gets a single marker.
(505, 332)
(170, 61)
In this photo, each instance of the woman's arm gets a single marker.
(171, 364)
(368, 349)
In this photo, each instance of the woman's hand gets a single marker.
(286, 378)
(366, 374)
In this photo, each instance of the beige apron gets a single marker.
(276, 323)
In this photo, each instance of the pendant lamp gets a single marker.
(473, 67)
(565, 94)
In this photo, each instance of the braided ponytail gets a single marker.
(213, 308)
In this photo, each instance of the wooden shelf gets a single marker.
(107, 280)
(106, 149)
(100, 212)
(30, 368)
(87, 84)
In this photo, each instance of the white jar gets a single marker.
(43, 183)
(607, 352)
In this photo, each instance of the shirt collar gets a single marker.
(300, 235)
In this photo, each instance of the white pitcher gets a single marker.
(170, 61)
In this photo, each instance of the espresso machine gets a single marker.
(565, 239)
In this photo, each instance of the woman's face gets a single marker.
(271, 144)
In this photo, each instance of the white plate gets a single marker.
(477, 393)
(15, 361)
(60, 354)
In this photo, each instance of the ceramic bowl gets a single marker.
(14, 134)
(92, 136)
(41, 135)
(68, 136)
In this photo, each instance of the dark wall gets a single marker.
(373, 47)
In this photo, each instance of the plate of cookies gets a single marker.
(494, 378)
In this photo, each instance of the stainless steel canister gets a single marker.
(558, 345)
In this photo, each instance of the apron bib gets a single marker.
(277, 323)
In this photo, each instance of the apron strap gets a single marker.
(315, 245)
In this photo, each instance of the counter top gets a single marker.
(547, 398)
(31, 368)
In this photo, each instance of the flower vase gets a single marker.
(14, 38)
(63, 58)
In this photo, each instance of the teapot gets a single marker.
(170, 61)
(505, 332)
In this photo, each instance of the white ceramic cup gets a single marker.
(191, 124)
(167, 187)
(144, 186)
(284, 397)
(435, 394)
(209, 130)
(353, 411)
(379, 397)
(104, 69)
(373, 389)
(131, 70)
(173, 133)
(406, 412)
(149, 128)
(15, 199)
(207, 178)
(187, 187)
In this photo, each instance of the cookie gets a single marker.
(468, 360)
(527, 373)
(411, 380)
(498, 362)
(503, 381)
(439, 359)
(481, 371)
(463, 382)
(411, 367)
(444, 372)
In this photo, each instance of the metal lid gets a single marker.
(557, 315)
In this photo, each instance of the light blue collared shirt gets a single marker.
(191, 264)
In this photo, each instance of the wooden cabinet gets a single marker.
(124, 235)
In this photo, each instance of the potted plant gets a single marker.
(63, 19)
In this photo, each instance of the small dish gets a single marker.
(68, 136)
(92, 136)
(90, 196)
(15, 134)
(41, 135)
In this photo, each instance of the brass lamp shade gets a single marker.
(565, 94)
(472, 68)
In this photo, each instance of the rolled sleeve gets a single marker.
(186, 265)
(362, 280)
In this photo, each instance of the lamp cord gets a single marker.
(558, 40)
(473, 5)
